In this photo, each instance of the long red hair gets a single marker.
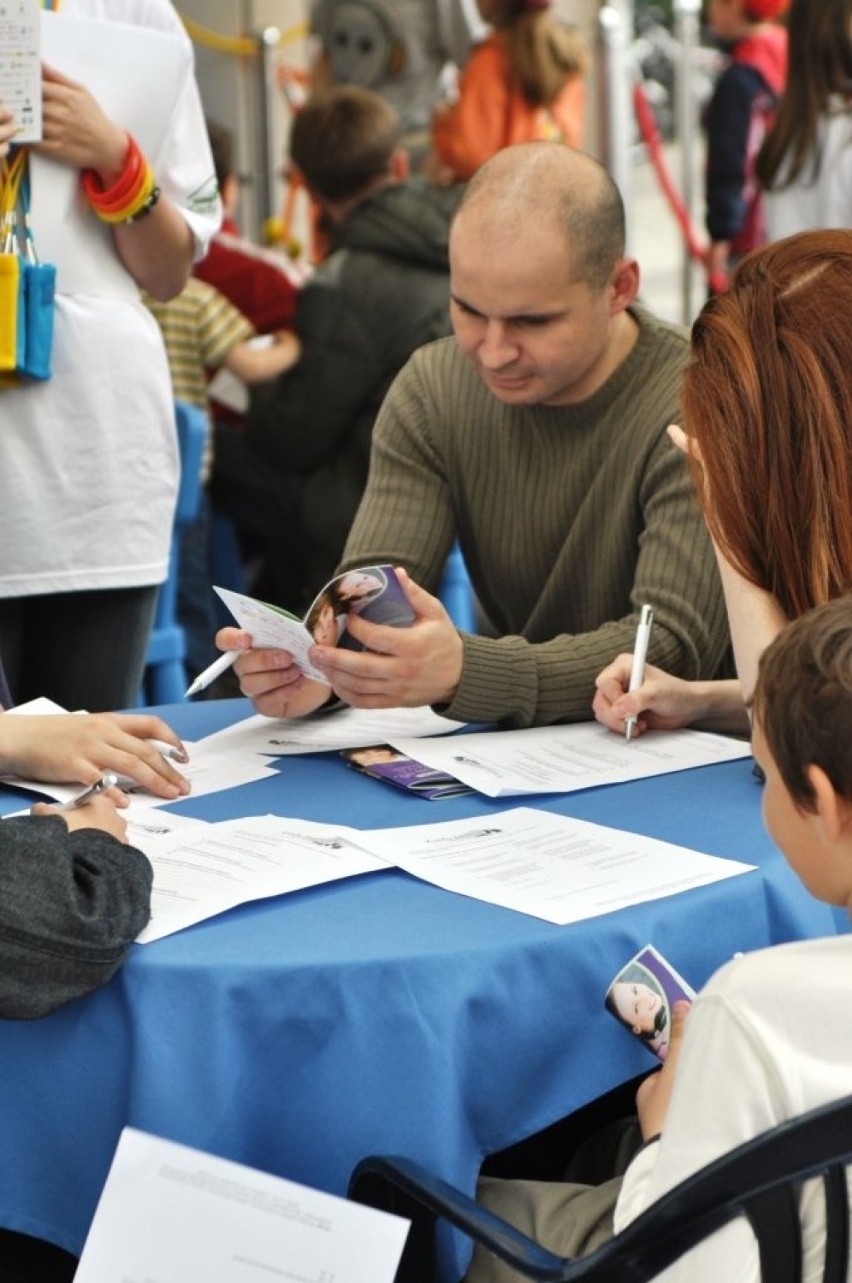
(768, 398)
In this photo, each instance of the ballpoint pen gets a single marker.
(214, 670)
(107, 781)
(637, 668)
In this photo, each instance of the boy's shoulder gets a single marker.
(803, 971)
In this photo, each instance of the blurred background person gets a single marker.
(381, 291)
(805, 163)
(402, 49)
(525, 82)
(737, 118)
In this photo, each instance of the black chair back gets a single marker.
(759, 1180)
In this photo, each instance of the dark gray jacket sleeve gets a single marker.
(70, 905)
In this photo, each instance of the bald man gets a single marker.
(537, 437)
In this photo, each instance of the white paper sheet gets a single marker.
(20, 66)
(134, 73)
(268, 627)
(549, 866)
(344, 728)
(561, 759)
(240, 860)
(170, 1214)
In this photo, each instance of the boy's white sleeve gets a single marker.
(726, 1091)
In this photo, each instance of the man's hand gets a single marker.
(400, 667)
(100, 813)
(655, 1092)
(270, 678)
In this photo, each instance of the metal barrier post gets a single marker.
(615, 23)
(687, 32)
(269, 100)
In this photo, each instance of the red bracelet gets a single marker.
(124, 189)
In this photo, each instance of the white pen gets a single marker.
(107, 781)
(637, 668)
(214, 670)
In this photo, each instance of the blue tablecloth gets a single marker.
(375, 1014)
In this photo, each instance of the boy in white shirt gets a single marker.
(770, 1036)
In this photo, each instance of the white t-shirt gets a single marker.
(769, 1038)
(88, 459)
(825, 201)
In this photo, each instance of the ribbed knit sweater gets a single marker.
(569, 518)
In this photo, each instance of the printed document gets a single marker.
(169, 1214)
(344, 728)
(549, 866)
(202, 874)
(562, 759)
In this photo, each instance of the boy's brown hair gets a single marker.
(343, 140)
(803, 700)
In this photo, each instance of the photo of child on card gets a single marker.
(643, 995)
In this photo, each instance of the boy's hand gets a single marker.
(655, 1093)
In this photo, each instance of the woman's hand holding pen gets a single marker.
(662, 702)
(665, 703)
(81, 746)
(98, 813)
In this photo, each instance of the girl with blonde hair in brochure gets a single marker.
(805, 163)
(767, 424)
(526, 81)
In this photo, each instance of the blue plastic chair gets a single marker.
(456, 593)
(165, 680)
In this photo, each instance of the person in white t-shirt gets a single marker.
(805, 163)
(769, 1037)
(88, 458)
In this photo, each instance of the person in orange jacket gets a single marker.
(526, 81)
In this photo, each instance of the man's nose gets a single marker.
(497, 348)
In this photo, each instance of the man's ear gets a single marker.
(833, 809)
(623, 284)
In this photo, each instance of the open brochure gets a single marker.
(642, 997)
(374, 592)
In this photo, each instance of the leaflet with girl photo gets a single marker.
(642, 997)
(374, 592)
(381, 762)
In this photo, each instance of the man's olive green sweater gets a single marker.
(569, 518)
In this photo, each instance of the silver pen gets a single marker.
(107, 781)
(637, 668)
